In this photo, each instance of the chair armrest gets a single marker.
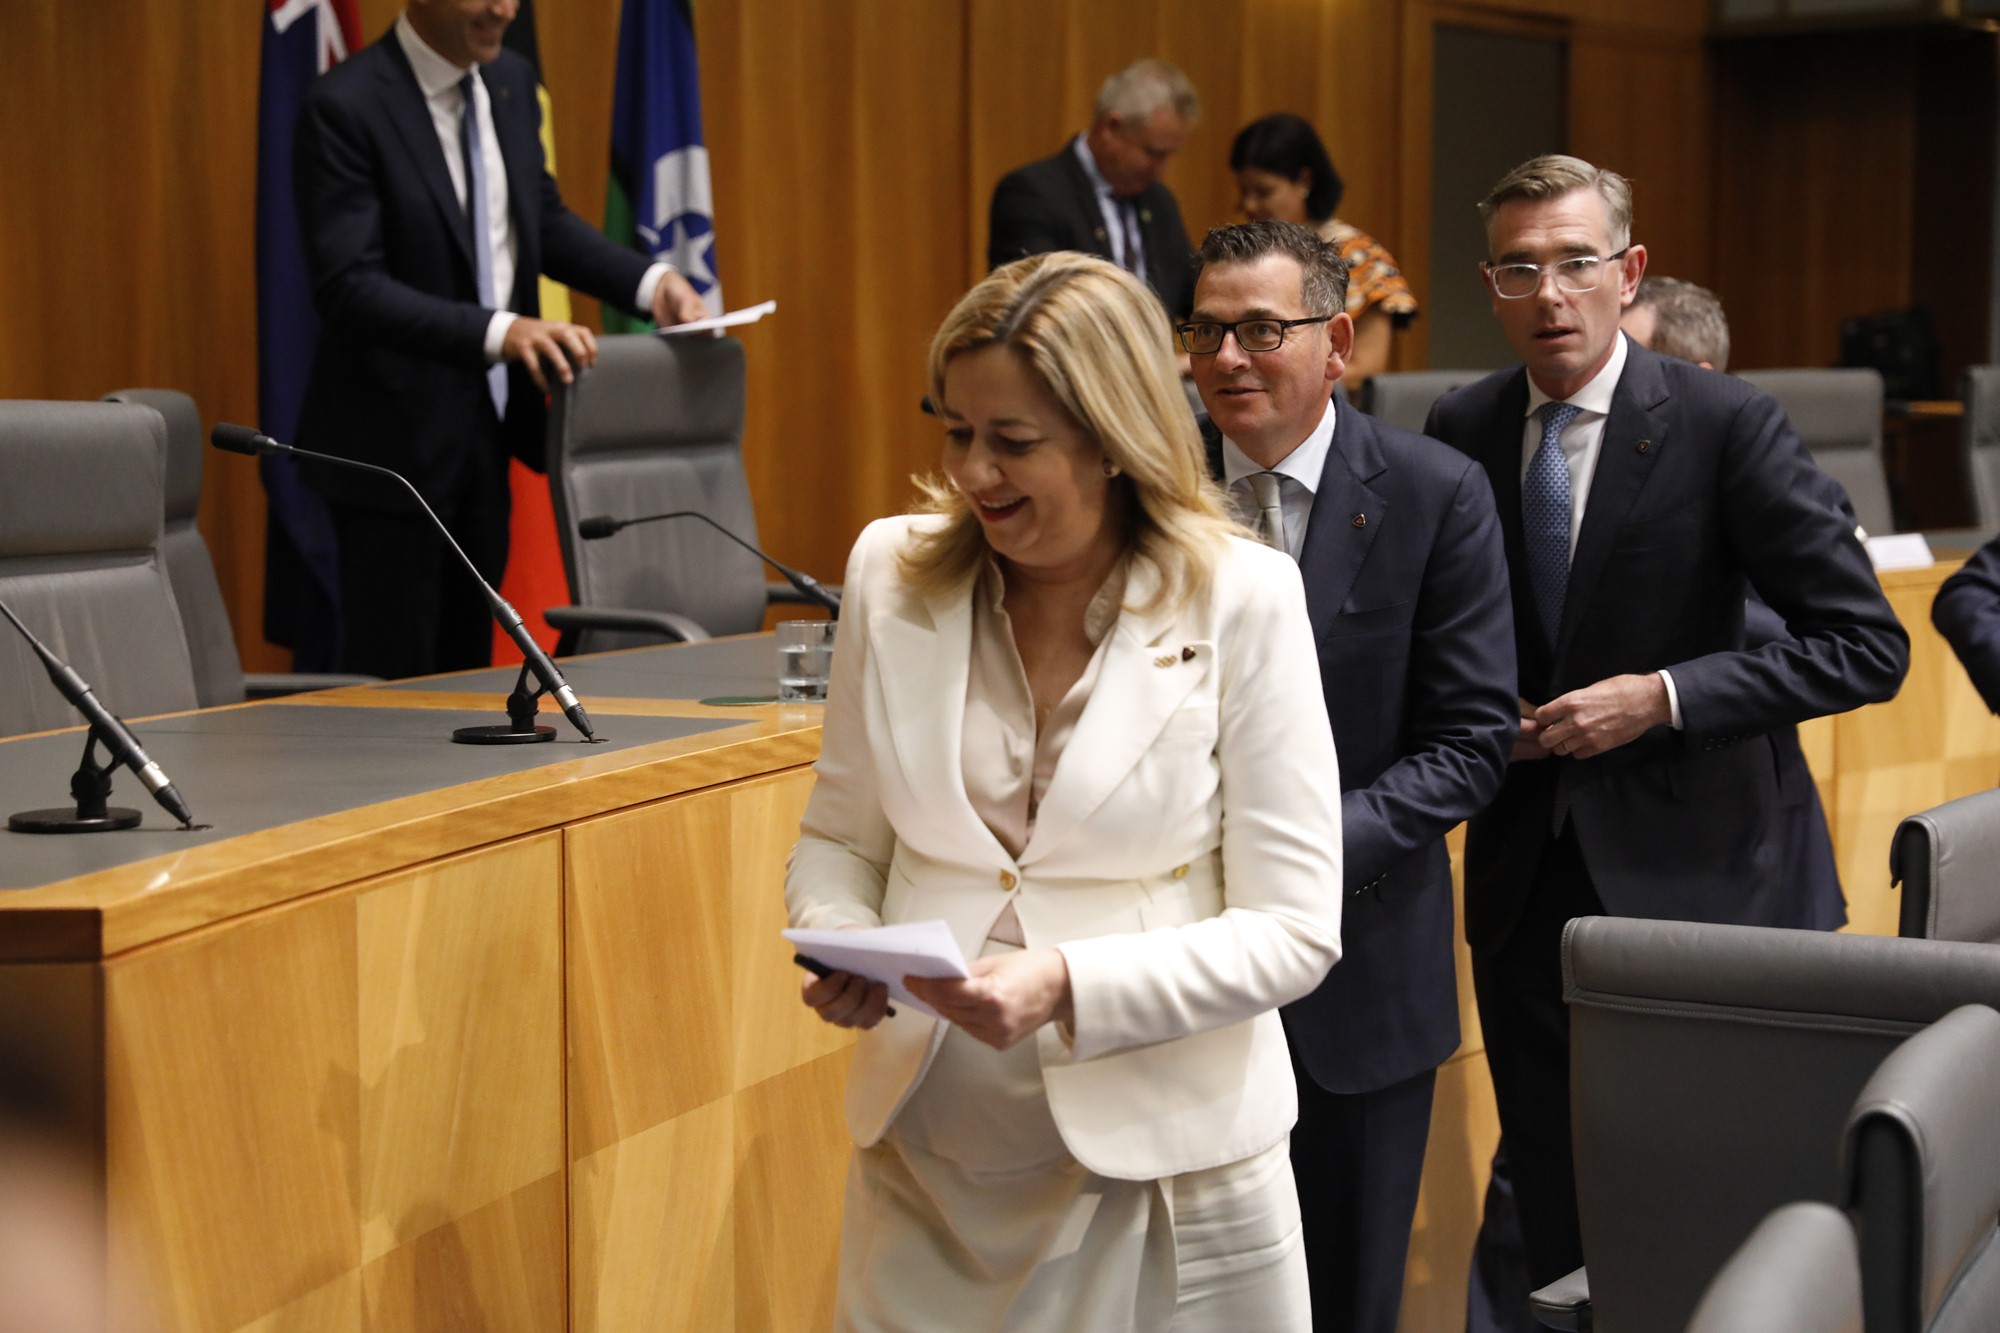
(667, 624)
(1564, 1303)
(277, 684)
(785, 594)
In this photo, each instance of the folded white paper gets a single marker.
(887, 954)
(1900, 550)
(749, 314)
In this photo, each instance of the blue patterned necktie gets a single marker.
(1545, 519)
(482, 237)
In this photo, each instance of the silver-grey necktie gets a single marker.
(1269, 490)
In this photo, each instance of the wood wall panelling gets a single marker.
(387, 1063)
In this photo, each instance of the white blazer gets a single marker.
(1185, 857)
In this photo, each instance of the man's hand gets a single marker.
(1528, 744)
(675, 302)
(1603, 716)
(1006, 998)
(845, 1000)
(539, 343)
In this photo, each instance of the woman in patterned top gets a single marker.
(1283, 172)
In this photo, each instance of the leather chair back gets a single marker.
(1712, 1069)
(1981, 435)
(1403, 398)
(82, 489)
(218, 670)
(1923, 1175)
(1948, 859)
(1838, 413)
(655, 426)
(1799, 1271)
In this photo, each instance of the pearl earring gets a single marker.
(1111, 469)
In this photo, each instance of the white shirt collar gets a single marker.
(1097, 181)
(1303, 464)
(1594, 396)
(434, 73)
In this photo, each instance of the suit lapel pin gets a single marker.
(1361, 520)
(1099, 233)
(1146, 216)
(1645, 446)
(1166, 660)
(1187, 653)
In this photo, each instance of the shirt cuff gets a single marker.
(649, 284)
(1673, 699)
(496, 333)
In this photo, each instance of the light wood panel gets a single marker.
(696, 1076)
(365, 1082)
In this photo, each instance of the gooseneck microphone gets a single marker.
(591, 529)
(244, 440)
(92, 784)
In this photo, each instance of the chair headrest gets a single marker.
(1830, 409)
(185, 443)
(654, 393)
(80, 477)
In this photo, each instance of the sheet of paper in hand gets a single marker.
(887, 954)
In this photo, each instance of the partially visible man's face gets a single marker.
(465, 32)
(1564, 338)
(1131, 154)
(1267, 402)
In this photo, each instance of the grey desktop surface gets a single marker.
(740, 667)
(243, 770)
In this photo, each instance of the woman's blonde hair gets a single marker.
(1098, 340)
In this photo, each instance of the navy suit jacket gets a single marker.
(1406, 586)
(1702, 493)
(1051, 205)
(399, 376)
(1967, 613)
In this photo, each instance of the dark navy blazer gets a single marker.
(399, 378)
(1052, 205)
(1406, 585)
(1702, 493)
(1967, 613)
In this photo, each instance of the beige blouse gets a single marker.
(1006, 761)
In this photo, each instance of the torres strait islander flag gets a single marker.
(660, 200)
(302, 39)
(534, 580)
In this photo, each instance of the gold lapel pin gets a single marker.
(1165, 661)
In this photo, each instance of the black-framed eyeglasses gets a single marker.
(1577, 275)
(1252, 335)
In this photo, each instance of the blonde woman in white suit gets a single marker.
(1078, 718)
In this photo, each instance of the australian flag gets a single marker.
(302, 39)
(660, 200)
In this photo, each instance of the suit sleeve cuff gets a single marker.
(496, 333)
(649, 283)
(1673, 699)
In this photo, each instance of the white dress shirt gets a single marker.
(1302, 465)
(1582, 440)
(1112, 208)
(438, 80)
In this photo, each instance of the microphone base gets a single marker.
(499, 734)
(67, 819)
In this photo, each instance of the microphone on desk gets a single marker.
(244, 440)
(108, 731)
(591, 529)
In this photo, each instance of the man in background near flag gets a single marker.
(660, 201)
(302, 39)
(429, 216)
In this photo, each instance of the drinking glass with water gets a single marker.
(805, 660)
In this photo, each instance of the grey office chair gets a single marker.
(1923, 1179)
(1798, 1272)
(1980, 433)
(1403, 398)
(1712, 1068)
(81, 488)
(1838, 413)
(218, 671)
(1948, 860)
(656, 426)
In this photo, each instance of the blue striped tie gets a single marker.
(482, 237)
(1545, 519)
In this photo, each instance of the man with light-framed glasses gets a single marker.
(1641, 496)
(1399, 545)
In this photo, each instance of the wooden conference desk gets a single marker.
(430, 1037)
(427, 1037)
